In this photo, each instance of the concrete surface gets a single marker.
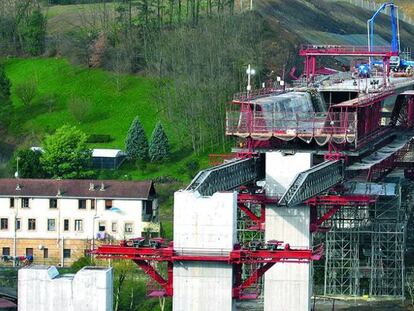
(41, 288)
(204, 225)
(288, 285)
(282, 169)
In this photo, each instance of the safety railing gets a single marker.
(343, 49)
(289, 124)
(246, 96)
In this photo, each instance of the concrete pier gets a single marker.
(288, 286)
(41, 288)
(204, 225)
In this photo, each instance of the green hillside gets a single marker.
(112, 109)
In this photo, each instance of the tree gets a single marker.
(34, 33)
(80, 108)
(136, 142)
(29, 164)
(5, 102)
(159, 148)
(66, 154)
(26, 92)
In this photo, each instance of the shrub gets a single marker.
(82, 262)
(26, 92)
(49, 101)
(5, 102)
(192, 167)
(165, 179)
(99, 138)
(80, 108)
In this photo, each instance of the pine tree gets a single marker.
(136, 142)
(159, 148)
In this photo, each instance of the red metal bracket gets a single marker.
(166, 284)
(238, 289)
(335, 202)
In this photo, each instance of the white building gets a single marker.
(56, 221)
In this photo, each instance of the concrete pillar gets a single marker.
(41, 288)
(204, 225)
(287, 285)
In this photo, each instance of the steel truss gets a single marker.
(226, 176)
(364, 248)
(313, 181)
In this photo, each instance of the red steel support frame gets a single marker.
(335, 202)
(258, 199)
(240, 286)
(310, 52)
(143, 256)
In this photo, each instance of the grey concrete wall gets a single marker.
(204, 225)
(41, 288)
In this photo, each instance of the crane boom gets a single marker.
(395, 42)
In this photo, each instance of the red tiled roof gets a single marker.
(76, 188)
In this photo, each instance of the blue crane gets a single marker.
(395, 44)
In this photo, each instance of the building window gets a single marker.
(17, 223)
(114, 227)
(101, 226)
(66, 225)
(29, 252)
(78, 225)
(31, 224)
(108, 204)
(92, 204)
(128, 227)
(66, 253)
(51, 225)
(4, 224)
(45, 253)
(53, 203)
(25, 202)
(11, 202)
(82, 204)
(6, 251)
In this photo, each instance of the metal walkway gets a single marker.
(312, 182)
(226, 176)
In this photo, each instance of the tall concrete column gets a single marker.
(288, 286)
(204, 225)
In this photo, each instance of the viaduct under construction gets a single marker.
(321, 171)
